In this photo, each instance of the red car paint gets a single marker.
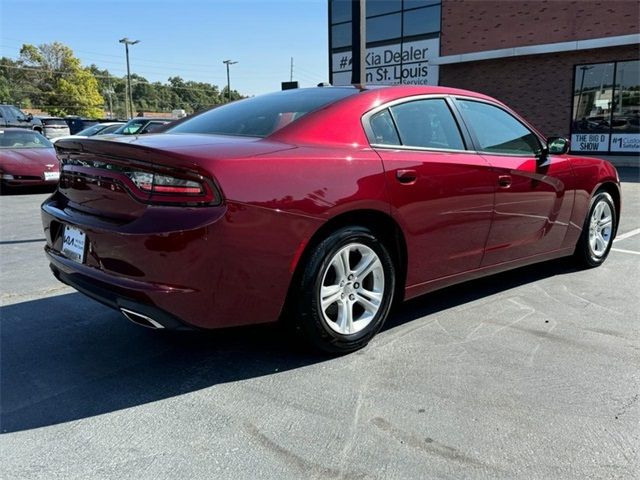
(24, 166)
(231, 262)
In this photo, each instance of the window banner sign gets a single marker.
(625, 142)
(400, 63)
(606, 108)
(590, 142)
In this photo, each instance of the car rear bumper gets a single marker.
(123, 297)
(204, 268)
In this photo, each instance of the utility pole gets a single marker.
(128, 42)
(291, 74)
(358, 42)
(227, 63)
(109, 92)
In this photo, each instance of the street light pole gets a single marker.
(128, 42)
(227, 63)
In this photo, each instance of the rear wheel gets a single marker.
(598, 230)
(346, 290)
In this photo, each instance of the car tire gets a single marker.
(598, 231)
(339, 308)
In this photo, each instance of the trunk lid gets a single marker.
(95, 173)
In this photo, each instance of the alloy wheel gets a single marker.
(352, 289)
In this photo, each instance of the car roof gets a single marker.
(321, 126)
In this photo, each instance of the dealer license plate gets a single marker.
(48, 176)
(73, 244)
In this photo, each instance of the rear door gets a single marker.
(441, 193)
(532, 201)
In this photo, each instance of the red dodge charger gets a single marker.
(321, 206)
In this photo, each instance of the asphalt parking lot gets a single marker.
(534, 373)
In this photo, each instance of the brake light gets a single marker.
(168, 189)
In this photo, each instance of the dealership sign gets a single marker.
(599, 142)
(590, 142)
(400, 63)
(625, 142)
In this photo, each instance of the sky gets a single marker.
(186, 38)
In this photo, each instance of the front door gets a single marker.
(533, 199)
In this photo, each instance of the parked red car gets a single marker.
(26, 159)
(321, 206)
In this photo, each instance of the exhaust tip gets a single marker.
(140, 319)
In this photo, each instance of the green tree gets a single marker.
(65, 87)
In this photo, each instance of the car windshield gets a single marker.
(263, 115)
(26, 139)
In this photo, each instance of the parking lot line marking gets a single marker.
(625, 251)
(627, 235)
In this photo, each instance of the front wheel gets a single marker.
(598, 231)
(346, 290)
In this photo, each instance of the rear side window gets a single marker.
(427, 124)
(383, 129)
(498, 131)
(263, 115)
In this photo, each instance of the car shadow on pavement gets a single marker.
(4, 190)
(67, 357)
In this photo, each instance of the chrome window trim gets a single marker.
(420, 149)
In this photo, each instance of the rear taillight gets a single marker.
(168, 189)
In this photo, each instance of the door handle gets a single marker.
(504, 181)
(407, 177)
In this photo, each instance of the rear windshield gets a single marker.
(132, 126)
(23, 139)
(263, 115)
(94, 129)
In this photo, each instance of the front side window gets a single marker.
(427, 124)
(498, 131)
(17, 112)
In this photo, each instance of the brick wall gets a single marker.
(476, 25)
(539, 87)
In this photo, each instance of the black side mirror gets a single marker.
(558, 145)
(29, 117)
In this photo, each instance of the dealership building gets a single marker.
(570, 67)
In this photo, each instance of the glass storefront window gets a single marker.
(383, 28)
(625, 119)
(341, 35)
(606, 108)
(379, 7)
(421, 21)
(340, 11)
(419, 3)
